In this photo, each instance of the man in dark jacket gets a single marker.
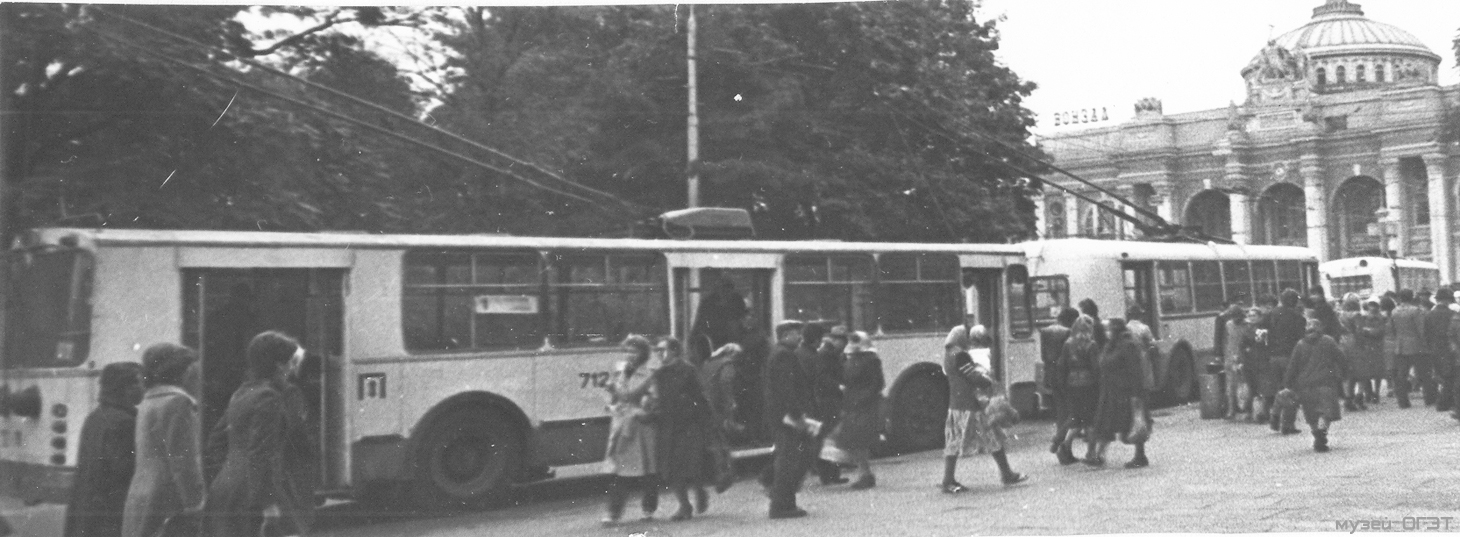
(1323, 311)
(1437, 335)
(106, 456)
(789, 400)
(1407, 332)
(1286, 329)
(1051, 343)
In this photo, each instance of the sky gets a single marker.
(1187, 53)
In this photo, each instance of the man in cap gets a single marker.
(789, 400)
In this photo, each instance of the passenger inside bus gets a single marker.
(720, 318)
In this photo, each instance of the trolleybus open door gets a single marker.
(225, 307)
(1139, 281)
(721, 299)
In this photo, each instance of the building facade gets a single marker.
(1337, 147)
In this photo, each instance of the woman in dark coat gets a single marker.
(1366, 367)
(683, 425)
(168, 479)
(717, 377)
(1255, 360)
(1350, 320)
(861, 423)
(1123, 389)
(1314, 375)
(263, 424)
(1075, 374)
(106, 456)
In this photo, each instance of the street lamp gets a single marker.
(1385, 229)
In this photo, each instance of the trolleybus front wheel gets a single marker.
(467, 456)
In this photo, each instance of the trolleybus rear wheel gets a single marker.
(467, 456)
(919, 409)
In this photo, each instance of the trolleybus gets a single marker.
(1180, 287)
(463, 364)
(1374, 276)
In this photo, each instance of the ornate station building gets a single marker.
(1337, 147)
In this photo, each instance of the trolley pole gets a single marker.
(693, 149)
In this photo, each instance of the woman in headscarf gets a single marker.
(1122, 395)
(630, 456)
(682, 428)
(1075, 373)
(861, 423)
(106, 456)
(1350, 319)
(259, 483)
(168, 480)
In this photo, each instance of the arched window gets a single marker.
(1282, 216)
(1379, 73)
(1322, 76)
(1210, 211)
(1356, 201)
(1359, 74)
(1338, 75)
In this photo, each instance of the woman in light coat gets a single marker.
(168, 480)
(631, 457)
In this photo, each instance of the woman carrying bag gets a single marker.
(1124, 380)
(861, 413)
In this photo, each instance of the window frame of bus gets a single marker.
(1163, 284)
(559, 294)
(77, 315)
(1203, 303)
(1236, 289)
(450, 282)
(795, 278)
(1296, 284)
(944, 293)
(1037, 317)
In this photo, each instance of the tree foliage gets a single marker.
(867, 121)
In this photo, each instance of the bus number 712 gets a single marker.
(597, 380)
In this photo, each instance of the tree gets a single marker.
(853, 121)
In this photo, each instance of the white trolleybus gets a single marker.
(1374, 276)
(463, 364)
(1181, 287)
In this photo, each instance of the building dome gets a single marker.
(1340, 28)
(1340, 50)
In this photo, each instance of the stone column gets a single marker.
(1241, 222)
(1441, 236)
(1317, 204)
(1072, 216)
(1162, 201)
(1394, 202)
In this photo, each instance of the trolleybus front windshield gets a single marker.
(47, 308)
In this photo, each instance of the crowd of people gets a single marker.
(671, 420)
(143, 471)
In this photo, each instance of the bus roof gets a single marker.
(140, 237)
(1155, 251)
(1363, 262)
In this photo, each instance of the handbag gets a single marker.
(1140, 429)
(1000, 413)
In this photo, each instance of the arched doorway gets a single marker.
(1210, 211)
(1355, 206)
(1282, 216)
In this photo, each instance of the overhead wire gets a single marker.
(378, 108)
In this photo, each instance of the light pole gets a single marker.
(692, 151)
(1385, 229)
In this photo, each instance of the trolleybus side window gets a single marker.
(918, 292)
(463, 300)
(1206, 283)
(830, 288)
(600, 298)
(1173, 282)
(48, 308)
(1310, 271)
(1264, 279)
(1290, 276)
(1048, 295)
(1238, 277)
